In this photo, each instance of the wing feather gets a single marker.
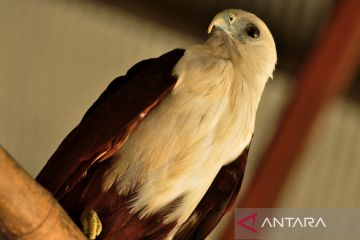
(109, 121)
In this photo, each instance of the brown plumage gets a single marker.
(72, 174)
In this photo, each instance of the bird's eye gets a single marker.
(252, 31)
(231, 18)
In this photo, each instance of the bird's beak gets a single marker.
(220, 21)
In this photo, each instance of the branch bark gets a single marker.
(28, 211)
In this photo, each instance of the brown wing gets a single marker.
(109, 121)
(219, 198)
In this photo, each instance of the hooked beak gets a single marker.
(221, 21)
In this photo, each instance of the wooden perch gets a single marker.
(28, 211)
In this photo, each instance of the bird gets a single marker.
(161, 154)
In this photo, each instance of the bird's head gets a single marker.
(246, 38)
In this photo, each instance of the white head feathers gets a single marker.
(236, 29)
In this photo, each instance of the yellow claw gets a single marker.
(91, 224)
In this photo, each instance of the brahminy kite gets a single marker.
(161, 153)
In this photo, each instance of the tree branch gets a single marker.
(28, 211)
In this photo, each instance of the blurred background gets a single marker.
(57, 56)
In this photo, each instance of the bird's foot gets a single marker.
(91, 224)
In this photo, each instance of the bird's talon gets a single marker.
(91, 224)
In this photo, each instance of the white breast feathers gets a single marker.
(177, 150)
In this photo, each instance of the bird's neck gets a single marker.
(250, 73)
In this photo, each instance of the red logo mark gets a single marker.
(251, 228)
